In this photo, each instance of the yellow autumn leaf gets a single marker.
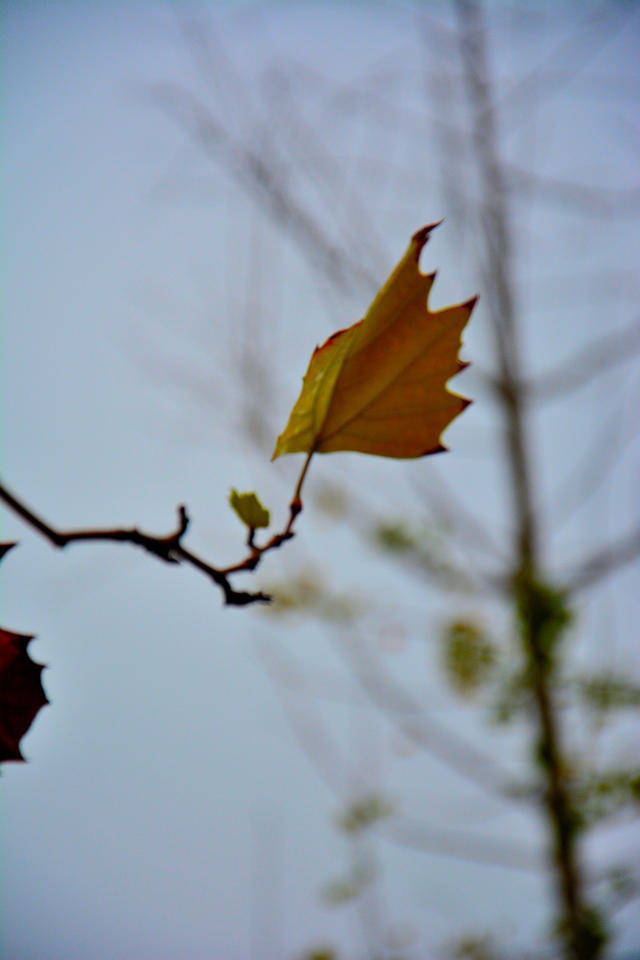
(379, 386)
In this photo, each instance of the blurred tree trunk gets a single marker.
(283, 168)
(542, 613)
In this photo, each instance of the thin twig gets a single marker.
(170, 548)
(408, 715)
(594, 201)
(257, 173)
(461, 845)
(323, 752)
(605, 561)
(584, 42)
(593, 359)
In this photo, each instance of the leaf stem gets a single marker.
(296, 502)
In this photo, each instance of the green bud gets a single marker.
(249, 509)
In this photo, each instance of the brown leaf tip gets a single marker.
(470, 304)
(421, 236)
(439, 448)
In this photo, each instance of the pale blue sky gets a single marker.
(165, 773)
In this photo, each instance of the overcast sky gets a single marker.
(170, 807)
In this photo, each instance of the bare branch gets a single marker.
(323, 753)
(585, 478)
(311, 733)
(169, 548)
(414, 722)
(572, 53)
(469, 579)
(463, 845)
(589, 200)
(595, 358)
(323, 172)
(255, 172)
(451, 508)
(605, 562)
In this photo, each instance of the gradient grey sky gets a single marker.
(167, 810)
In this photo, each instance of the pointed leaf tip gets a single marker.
(470, 303)
(421, 236)
(249, 509)
(439, 448)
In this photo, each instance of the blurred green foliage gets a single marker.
(473, 948)
(513, 696)
(604, 794)
(332, 500)
(395, 536)
(468, 657)
(542, 613)
(592, 936)
(308, 593)
(606, 693)
(364, 812)
(345, 889)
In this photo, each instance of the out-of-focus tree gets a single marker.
(332, 164)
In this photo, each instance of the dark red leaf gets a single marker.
(21, 693)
